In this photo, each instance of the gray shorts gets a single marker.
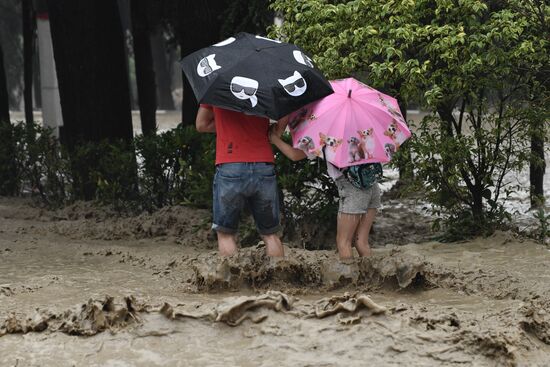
(354, 200)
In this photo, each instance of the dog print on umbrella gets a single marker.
(395, 134)
(300, 119)
(245, 89)
(355, 151)
(308, 146)
(389, 149)
(207, 65)
(329, 141)
(367, 141)
(295, 85)
(390, 108)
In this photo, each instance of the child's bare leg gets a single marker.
(347, 224)
(362, 244)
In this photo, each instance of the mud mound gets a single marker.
(537, 320)
(497, 336)
(303, 269)
(188, 225)
(234, 310)
(347, 307)
(86, 210)
(97, 316)
(396, 223)
(399, 222)
(88, 319)
(22, 209)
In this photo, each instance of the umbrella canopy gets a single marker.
(255, 75)
(356, 124)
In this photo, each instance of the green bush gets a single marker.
(9, 174)
(198, 153)
(47, 168)
(32, 162)
(159, 168)
(107, 172)
(310, 200)
(175, 167)
(463, 173)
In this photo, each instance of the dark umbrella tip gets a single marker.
(349, 93)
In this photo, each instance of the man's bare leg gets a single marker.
(362, 244)
(346, 226)
(273, 245)
(227, 244)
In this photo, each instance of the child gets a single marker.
(357, 207)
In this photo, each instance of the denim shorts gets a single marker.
(252, 185)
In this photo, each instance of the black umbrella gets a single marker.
(255, 75)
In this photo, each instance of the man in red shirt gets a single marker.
(245, 175)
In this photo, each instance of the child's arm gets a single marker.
(291, 152)
(288, 150)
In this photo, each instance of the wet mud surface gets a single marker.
(85, 287)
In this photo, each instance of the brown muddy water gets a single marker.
(81, 287)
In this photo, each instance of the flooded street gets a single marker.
(78, 287)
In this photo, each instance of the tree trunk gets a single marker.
(8, 182)
(4, 98)
(93, 80)
(36, 81)
(40, 8)
(189, 17)
(189, 104)
(446, 114)
(477, 207)
(406, 173)
(162, 72)
(29, 27)
(145, 74)
(125, 19)
(537, 164)
(90, 59)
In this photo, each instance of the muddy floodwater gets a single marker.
(80, 287)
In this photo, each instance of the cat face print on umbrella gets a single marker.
(294, 85)
(245, 88)
(207, 65)
(302, 58)
(255, 75)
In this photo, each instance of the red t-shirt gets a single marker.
(240, 137)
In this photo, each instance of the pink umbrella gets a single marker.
(356, 124)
